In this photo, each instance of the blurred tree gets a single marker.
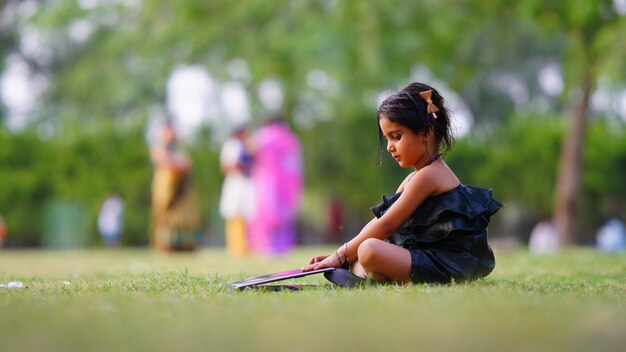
(582, 37)
(592, 31)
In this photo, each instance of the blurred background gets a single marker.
(537, 90)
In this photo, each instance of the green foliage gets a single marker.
(604, 192)
(83, 169)
(36, 172)
(25, 182)
(207, 182)
(520, 162)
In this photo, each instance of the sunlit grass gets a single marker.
(142, 300)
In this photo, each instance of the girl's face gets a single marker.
(404, 145)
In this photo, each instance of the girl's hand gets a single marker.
(317, 259)
(322, 261)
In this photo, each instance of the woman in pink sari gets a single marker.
(277, 179)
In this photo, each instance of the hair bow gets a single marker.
(431, 108)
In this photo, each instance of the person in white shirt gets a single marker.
(236, 202)
(110, 220)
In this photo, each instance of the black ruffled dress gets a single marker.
(447, 235)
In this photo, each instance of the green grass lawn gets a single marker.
(140, 300)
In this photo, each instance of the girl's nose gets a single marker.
(389, 147)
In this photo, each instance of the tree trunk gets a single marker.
(570, 169)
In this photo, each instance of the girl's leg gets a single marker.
(383, 261)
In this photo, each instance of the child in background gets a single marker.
(434, 228)
(110, 220)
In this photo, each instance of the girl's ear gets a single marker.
(430, 133)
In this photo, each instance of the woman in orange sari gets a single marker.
(175, 220)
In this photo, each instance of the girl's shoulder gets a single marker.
(437, 179)
(405, 181)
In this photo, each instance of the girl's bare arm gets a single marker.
(415, 191)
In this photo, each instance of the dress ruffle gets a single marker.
(464, 208)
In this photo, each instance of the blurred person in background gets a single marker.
(611, 237)
(175, 219)
(110, 220)
(334, 221)
(543, 238)
(236, 201)
(3, 231)
(277, 181)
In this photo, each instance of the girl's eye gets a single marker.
(396, 137)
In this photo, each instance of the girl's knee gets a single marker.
(368, 251)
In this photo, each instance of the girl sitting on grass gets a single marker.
(434, 228)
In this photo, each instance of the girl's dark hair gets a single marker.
(407, 108)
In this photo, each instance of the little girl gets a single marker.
(434, 228)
